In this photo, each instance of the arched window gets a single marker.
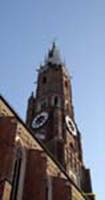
(16, 174)
(56, 101)
(19, 165)
(48, 192)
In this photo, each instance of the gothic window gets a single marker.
(56, 101)
(16, 174)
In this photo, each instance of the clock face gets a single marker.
(39, 120)
(70, 125)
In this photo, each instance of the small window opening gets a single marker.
(56, 101)
(66, 84)
(46, 193)
(44, 79)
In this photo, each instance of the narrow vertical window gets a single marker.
(44, 80)
(46, 193)
(48, 189)
(56, 101)
(66, 84)
(16, 175)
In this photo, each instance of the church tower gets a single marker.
(50, 116)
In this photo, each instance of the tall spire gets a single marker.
(54, 55)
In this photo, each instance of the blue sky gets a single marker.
(27, 29)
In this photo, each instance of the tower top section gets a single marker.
(53, 59)
(53, 56)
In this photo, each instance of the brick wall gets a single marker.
(7, 135)
(35, 176)
(61, 190)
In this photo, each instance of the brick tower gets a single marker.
(50, 116)
(44, 160)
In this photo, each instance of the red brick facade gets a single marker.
(35, 176)
(7, 135)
